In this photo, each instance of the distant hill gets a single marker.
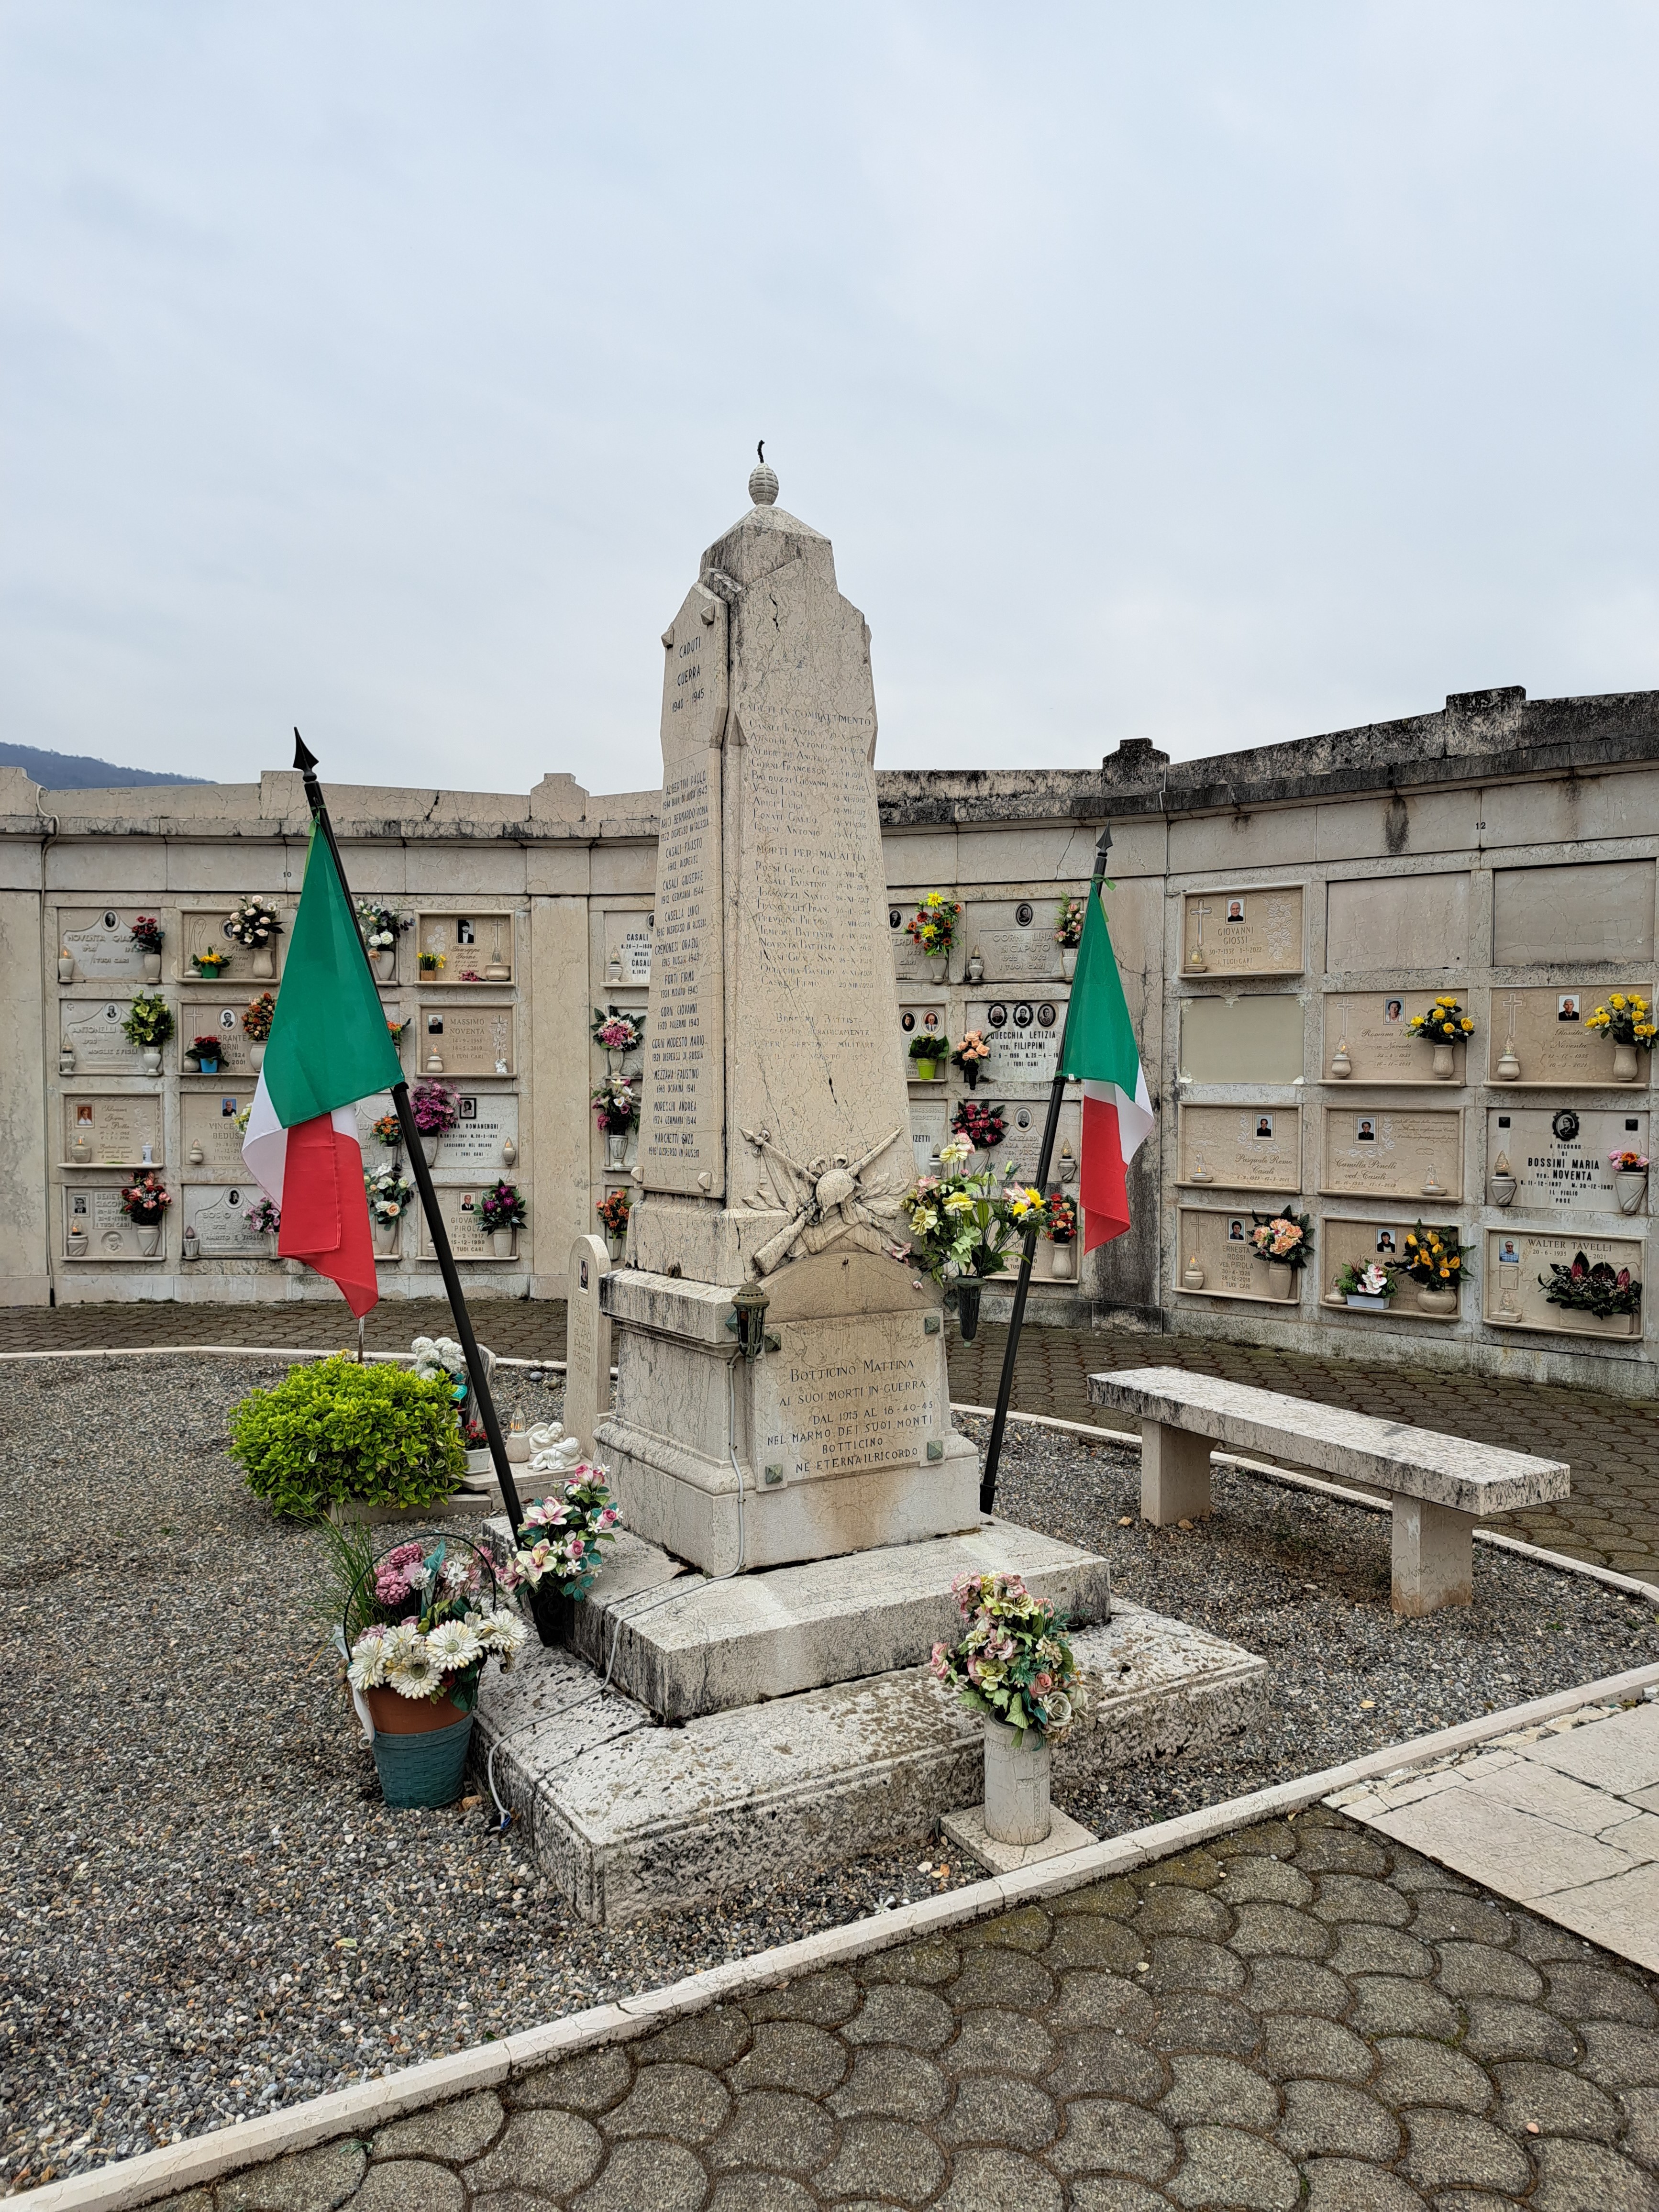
(79, 771)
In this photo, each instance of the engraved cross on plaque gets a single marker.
(1199, 913)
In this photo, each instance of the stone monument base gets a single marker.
(837, 1438)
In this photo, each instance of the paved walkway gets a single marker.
(1301, 2013)
(1563, 1818)
(1611, 1518)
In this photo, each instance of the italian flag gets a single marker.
(328, 1046)
(1101, 1052)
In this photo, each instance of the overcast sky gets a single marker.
(1216, 374)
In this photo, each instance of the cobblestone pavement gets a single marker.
(1299, 2014)
(1611, 1518)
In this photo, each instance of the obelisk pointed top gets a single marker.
(762, 480)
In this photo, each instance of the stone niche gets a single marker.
(1597, 910)
(219, 1212)
(1255, 929)
(1542, 1032)
(930, 1127)
(1380, 922)
(1377, 1152)
(1558, 1155)
(468, 1237)
(100, 940)
(465, 1040)
(476, 947)
(1255, 1039)
(1344, 1242)
(1019, 1148)
(910, 964)
(91, 1029)
(1240, 1147)
(628, 937)
(213, 1143)
(1024, 1037)
(111, 1131)
(1014, 937)
(1216, 1245)
(1517, 1257)
(110, 1236)
(1372, 1028)
(487, 1124)
(202, 929)
(917, 1018)
(220, 1017)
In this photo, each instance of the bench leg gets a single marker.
(1433, 1556)
(1175, 1474)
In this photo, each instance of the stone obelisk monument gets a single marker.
(776, 1137)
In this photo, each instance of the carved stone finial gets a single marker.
(762, 480)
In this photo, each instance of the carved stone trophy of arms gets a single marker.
(825, 1200)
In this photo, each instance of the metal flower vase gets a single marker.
(966, 1294)
(554, 1614)
(1017, 1784)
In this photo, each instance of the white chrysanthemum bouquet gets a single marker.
(438, 1623)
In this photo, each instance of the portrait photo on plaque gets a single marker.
(1393, 1010)
(1364, 1130)
(1566, 1006)
(1509, 1253)
(1235, 1231)
(1385, 1240)
(1235, 911)
(1264, 1124)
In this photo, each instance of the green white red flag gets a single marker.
(1100, 1051)
(328, 1046)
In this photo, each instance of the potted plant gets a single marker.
(1060, 1227)
(1630, 1180)
(1283, 1241)
(388, 1130)
(145, 1203)
(266, 1218)
(1600, 1296)
(933, 927)
(208, 963)
(926, 1052)
(970, 1056)
(381, 928)
(983, 1127)
(501, 1210)
(388, 1196)
(204, 1051)
(148, 1024)
(432, 965)
(333, 1434)
(617, 1111)
(1370, 1287)
(1627, 1021)
(256, 1021)
(418, 1629)
(436, 1109)
(613, 1210)
(1444, 1025)
(1014, 1664)
(1068, 932)
(253, 922)
(616, 1034)
(559, 1549)
(1434, 1261)
(961, 1222)
(148, 935)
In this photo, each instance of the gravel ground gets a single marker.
(1304, 1581)
(209, 1912)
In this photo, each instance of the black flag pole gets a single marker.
(988, 1487)
(305, 761)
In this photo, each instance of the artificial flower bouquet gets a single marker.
(558, 1552)
(1283, 1240)
(1069, 918)
(501, 1207)
(984, 1128)
(1598, 1289)
(147, 1022)
(970, 1056)
(388, 1196)
(434, 1619)
(613, 1210)
(1434, 1257)
(388, 1130)
(144, 1201)
(257, 1018)
(1059, 1224)
(1628, 1163)
(1372, 1281)
(431, 963)
(253, 922)
(379, 926)
(1626, 1019)
(436, 1108)
(617, 1104)
(1014, 1662)
(209, 961)
(929, 1051)
(934, 925)
(1445, 1023)
(148, 933)
(210, 1046)
(962, 1222)
(265, 1218)
(615, 1032)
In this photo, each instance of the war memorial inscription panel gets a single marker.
(844, 1396)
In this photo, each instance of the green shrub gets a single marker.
(334, 1431)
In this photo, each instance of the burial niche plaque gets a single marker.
(468, 1237)
(1256, 1039)
(1542, 1031)
(92, 1031)
(1217, 1246)
(475, 947)
(101, 943)
(202, 929)
(1015, 937)
(104, 1231)
(219, 1215)
(109, 1131)
(463, 1040)
(1252, 932)
(1517, 1258)
(1240, 1147)
(1371, 1032)
(1558, 1155)
(1375, 1152)
(1023, 1035)
(213, 1143)
(1357, 1244)
(220, 1018)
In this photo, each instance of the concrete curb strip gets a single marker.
(203, 2159)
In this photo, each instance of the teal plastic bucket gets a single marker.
(424, 1769)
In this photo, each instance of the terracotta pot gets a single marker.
(1281, 1281)
(1623, 1063)
(1017, 1784)
(152, 967)
(1443, 1304)
(393, 1714)
(1630, 1188)
(1445, 1064)
(264, 964)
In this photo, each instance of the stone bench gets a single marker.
(1440, 1485)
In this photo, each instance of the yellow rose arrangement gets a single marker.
(1627, 1018)
(1445, 1023)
